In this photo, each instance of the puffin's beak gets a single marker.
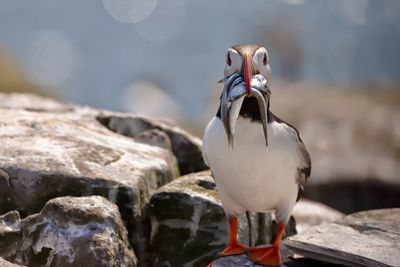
(247, 72)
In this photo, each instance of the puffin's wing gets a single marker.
(304, 169)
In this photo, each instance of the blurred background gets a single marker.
(335, 68)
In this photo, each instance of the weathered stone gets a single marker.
(9, 222)
(74, 231)
(32, 102)
(189, 226)
(4, 263)
(234, 261)
(10, 232)
(309, 213)
(186, 147)
(369, 238)
(187, 222)
(5, 197)
(155, 137)
(244, 261)
(54, 150)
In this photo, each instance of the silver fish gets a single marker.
(232, 98)
(263, 111)
(226, 105)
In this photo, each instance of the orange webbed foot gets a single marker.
(233, 249)
(266, 255)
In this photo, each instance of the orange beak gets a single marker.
(247, 71)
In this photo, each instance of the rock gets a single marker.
(187, 222)
(369, 238)
(186, 147)
(244, 261)
(74, 231)
(234, 261)
(309, 213)
(4, 263)
(189, 226)
(53, 150)
(353, 137)
(10, 233)
(32, 102)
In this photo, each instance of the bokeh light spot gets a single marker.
(129, 11)
(51, 58)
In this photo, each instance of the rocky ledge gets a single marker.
(50, 149)
(87, 187)
(368, 238)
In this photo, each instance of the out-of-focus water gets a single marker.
(98, 52)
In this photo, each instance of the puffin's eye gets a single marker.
(265, 59)
(228, 59)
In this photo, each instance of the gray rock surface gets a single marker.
(369, 238)
(234, 261)
(50, 150)
(189, 226)
(244, 261)
(32, 102)
(10, 233)
(309, 213)
(186, 147)
(4, 263)
(187, 222)
(72, 231)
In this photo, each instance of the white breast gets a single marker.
(251, 176)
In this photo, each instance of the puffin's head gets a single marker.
(247, 60)
(247, 73)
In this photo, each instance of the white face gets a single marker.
(233, 62)
(260, 62)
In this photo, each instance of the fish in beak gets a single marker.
(236, 88)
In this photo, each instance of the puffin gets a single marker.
(258, 161)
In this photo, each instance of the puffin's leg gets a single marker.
(269, 255)
(234, 247)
